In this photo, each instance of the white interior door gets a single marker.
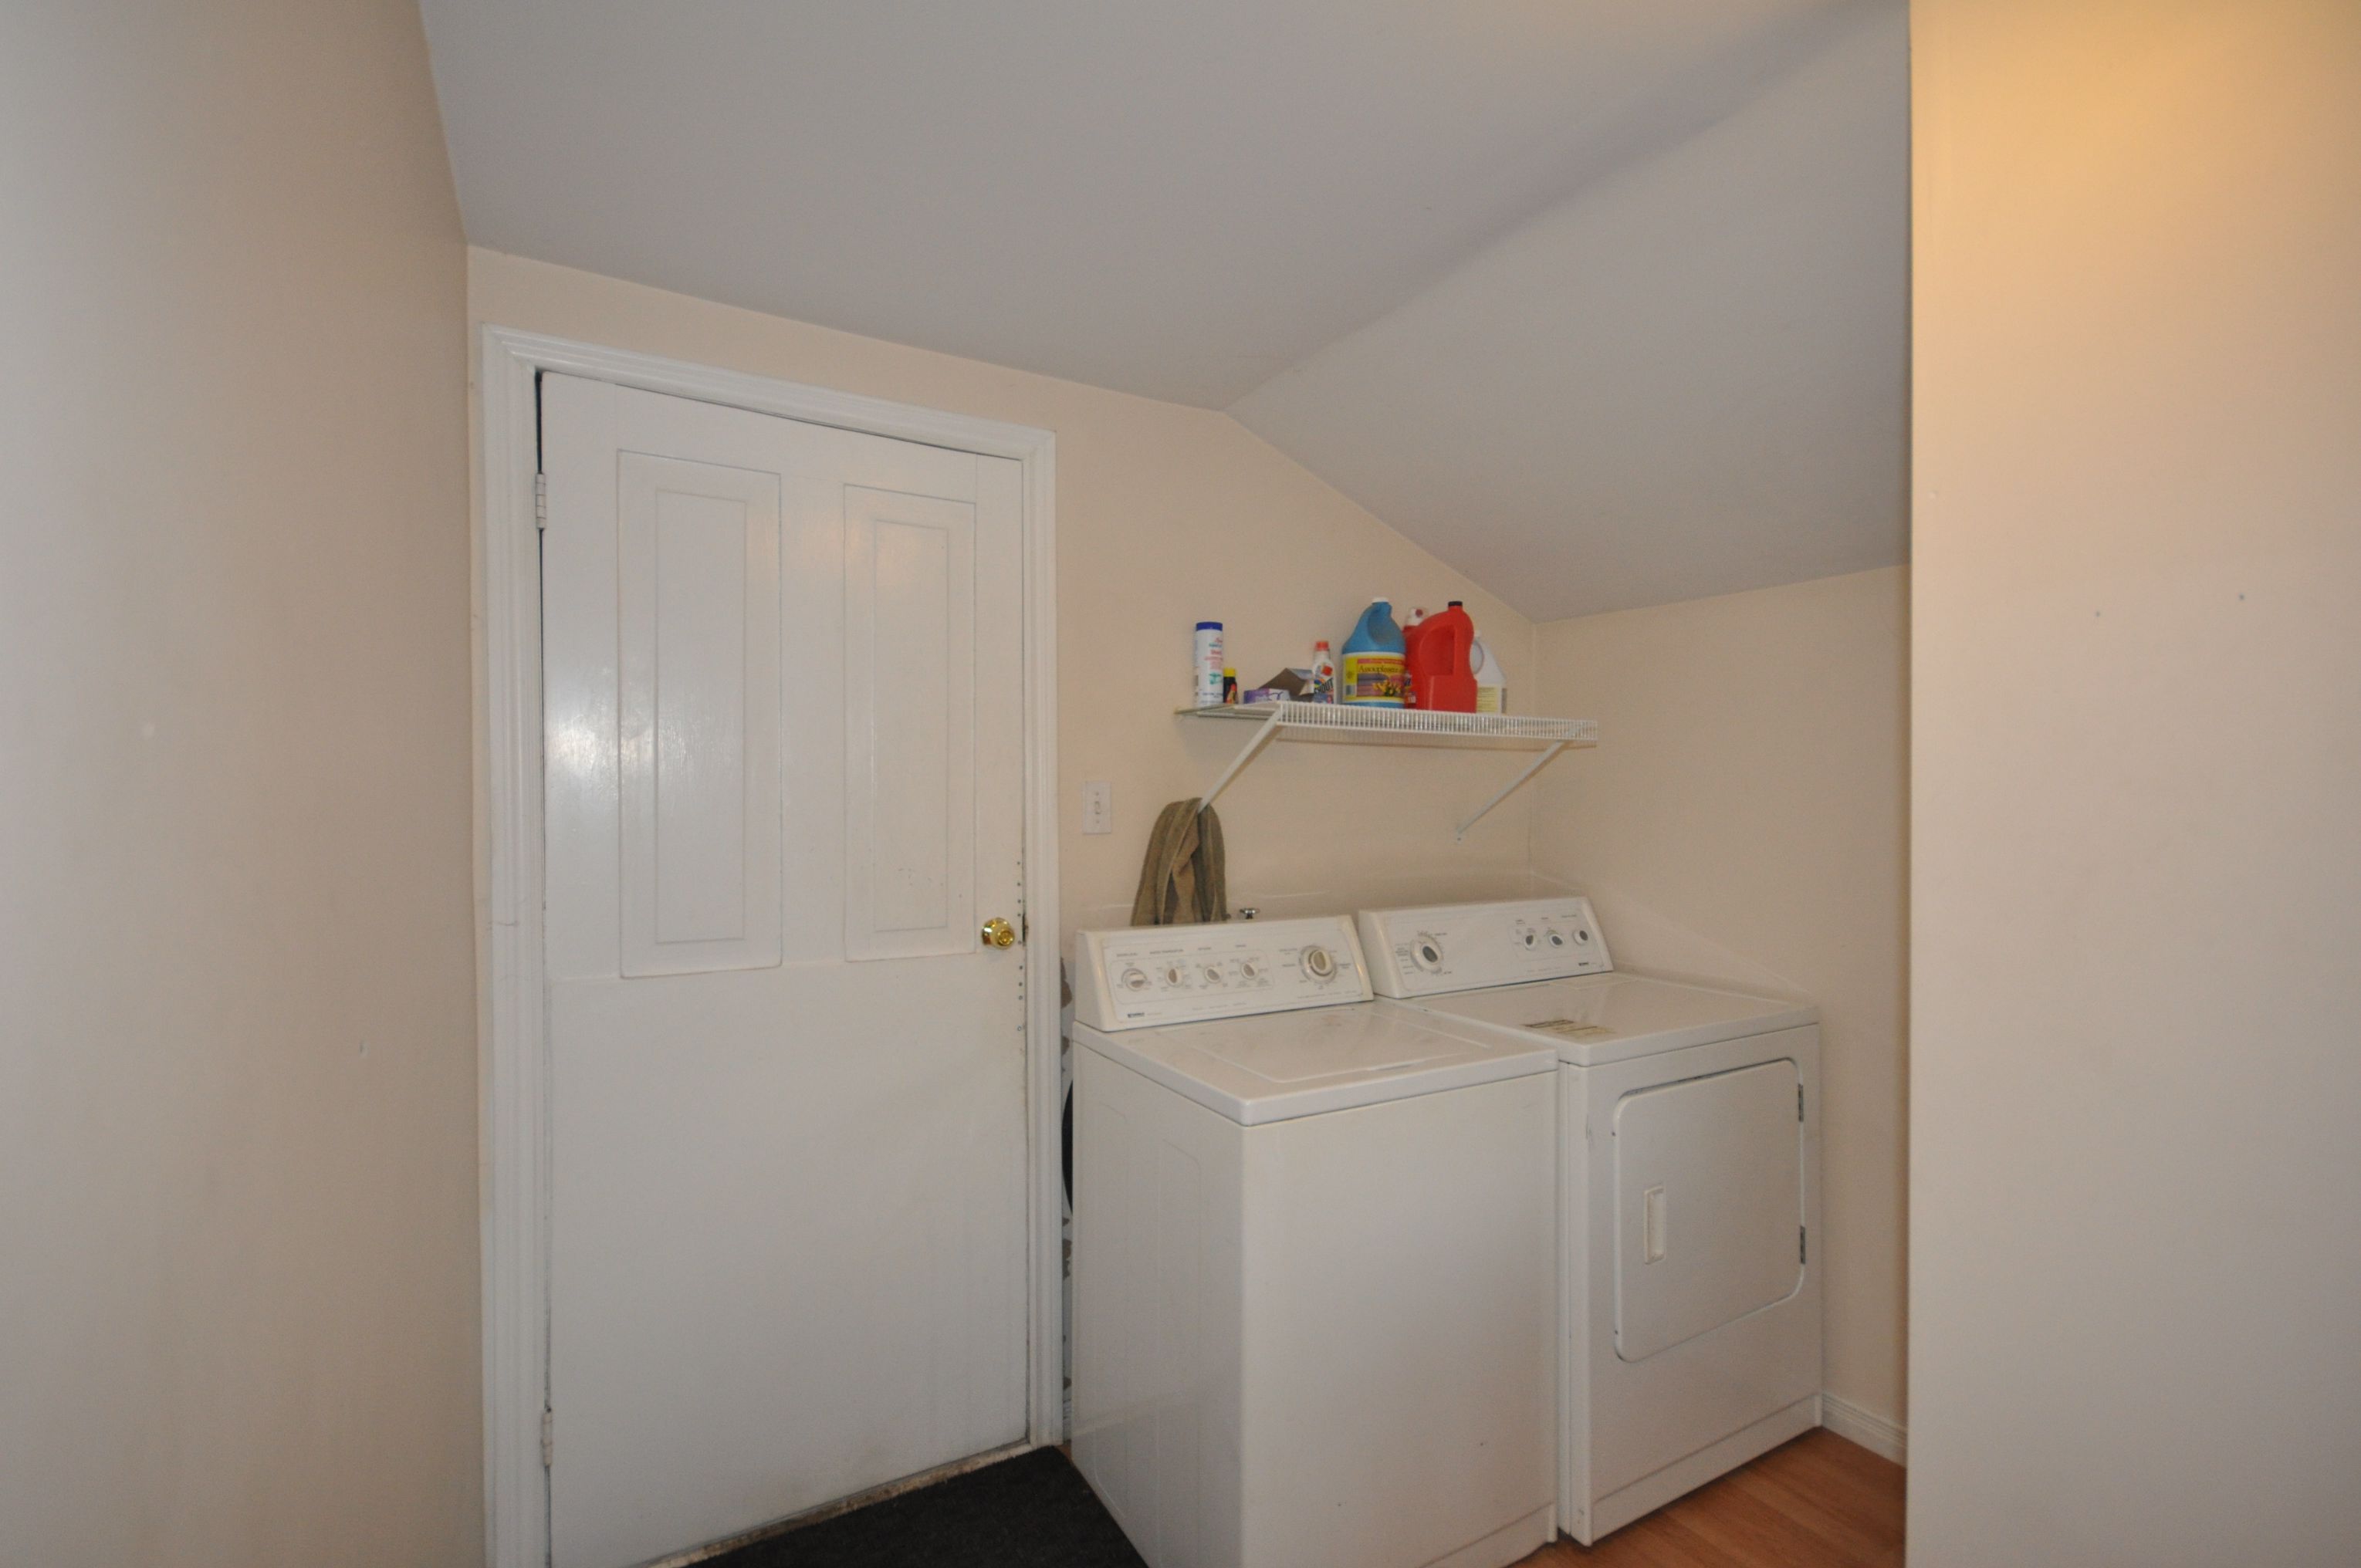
(784, 756)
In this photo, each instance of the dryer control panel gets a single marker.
(1460, 946)
(1182, 974)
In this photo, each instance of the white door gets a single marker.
(784, 757)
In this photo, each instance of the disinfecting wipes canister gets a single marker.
(1209, 665)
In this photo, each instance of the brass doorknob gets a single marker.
(999, 933)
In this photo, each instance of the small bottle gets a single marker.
(1412, 629)
(1323, 673)
(1209, 665)
(1229, 687)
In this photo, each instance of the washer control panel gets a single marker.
(1459, 947)
(1180, 974)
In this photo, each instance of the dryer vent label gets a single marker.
(1567, 1028)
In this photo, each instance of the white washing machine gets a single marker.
(1313, 1259)
(1689, 1288)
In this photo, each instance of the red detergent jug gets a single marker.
(1440, 672)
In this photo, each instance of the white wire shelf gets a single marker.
(1340, 716)
(1350, 722)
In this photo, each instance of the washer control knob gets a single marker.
(1319, 963)
(1427, 953)
(1212, 974)
(1249, 969)
(1556, 938)
(1135, 979)
(1175, 975)
(1530, 939)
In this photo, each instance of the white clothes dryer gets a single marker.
(1689, 1284)
(1314, 1276)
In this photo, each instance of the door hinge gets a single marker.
(1799, 1103)
(1803, 1250)
(540, 501)
(548, 1437)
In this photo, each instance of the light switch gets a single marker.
(1098, 806)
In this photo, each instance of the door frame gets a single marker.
(514, 1048)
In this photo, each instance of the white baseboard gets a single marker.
(1873, 1432)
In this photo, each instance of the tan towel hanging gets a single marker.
(1181, 881)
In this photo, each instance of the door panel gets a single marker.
(910, 726)
(700, 754)
(787, 1189)
(1708, 1204)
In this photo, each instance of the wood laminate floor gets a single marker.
(1818, 1502)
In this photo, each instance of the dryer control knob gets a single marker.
(1427, 953)
(1319, 963)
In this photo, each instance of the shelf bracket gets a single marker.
(1262, 736)
(1544, 760)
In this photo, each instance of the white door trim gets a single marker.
(515, 1062)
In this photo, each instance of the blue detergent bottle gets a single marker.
(1373, 663)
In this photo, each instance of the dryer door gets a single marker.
(1708, 1204)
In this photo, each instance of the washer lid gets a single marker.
(1280, 1066)
(1602, 1019)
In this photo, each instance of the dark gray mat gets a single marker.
(1032, 1511)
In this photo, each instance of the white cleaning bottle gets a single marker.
(1491, 681)
(1207, 665)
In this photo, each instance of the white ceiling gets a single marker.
(1602, 301)
(1688, 380)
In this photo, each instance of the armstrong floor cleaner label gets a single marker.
(1570, 1029)
(1373, 677)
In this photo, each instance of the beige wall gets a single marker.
(237, 1056)
(2136, 1204)
(1743, 821)
(1166, 515)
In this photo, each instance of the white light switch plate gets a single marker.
(1098, 806)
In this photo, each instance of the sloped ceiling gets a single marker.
(1688, 380)
(1602, 301)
